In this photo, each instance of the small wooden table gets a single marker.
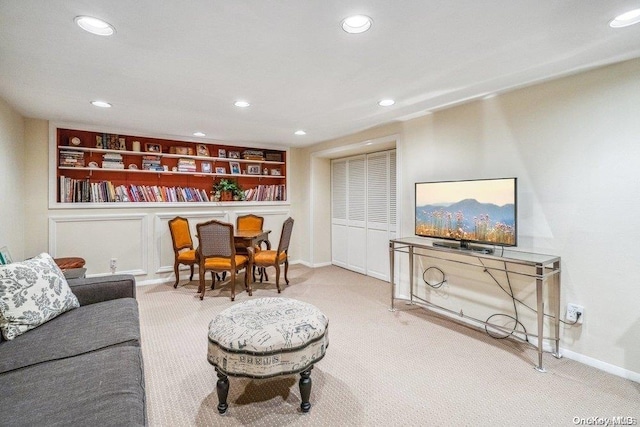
(248, 238)
(244, 239)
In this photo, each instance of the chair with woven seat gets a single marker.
(253, 222)
(217, 254)
(184, 252)
(270, 258)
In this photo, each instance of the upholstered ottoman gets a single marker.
(264, 338)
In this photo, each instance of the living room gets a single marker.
(571, 141)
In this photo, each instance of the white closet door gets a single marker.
(393, 229)
(356, 214)
(363, 212)
(339, 213)
(378, 215)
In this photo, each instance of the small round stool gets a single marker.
(264, 338)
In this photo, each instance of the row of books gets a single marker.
(82, 190)
(266, 193)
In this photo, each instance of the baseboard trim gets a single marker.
(589, 361)
(603, 366)
(310, 265)
(156, 281)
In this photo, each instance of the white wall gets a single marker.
(12, 188)
(573, 144)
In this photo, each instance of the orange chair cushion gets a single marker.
(250, 223)
(181, 234)
(216, 263)
(188, 256)
(268, 257)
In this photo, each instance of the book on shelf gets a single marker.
(112, 165)
(186, 165)
(71, 158)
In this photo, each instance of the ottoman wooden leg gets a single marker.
(305, 389)
(222, 386)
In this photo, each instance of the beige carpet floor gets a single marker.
(404, 368)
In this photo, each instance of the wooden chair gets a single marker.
(252, 222)
(217, 253)
(182, 246)
(271, 258)
(249, 222)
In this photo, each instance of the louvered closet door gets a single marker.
(339, 213)
(363, 212)
(378, 215)
(356, 214)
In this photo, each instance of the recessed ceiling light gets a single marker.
(356, 24)
(95, 25)
(628, 18)
(199, 134)
(300, 132)
(101, 104)
(241, 104)
(386, 102)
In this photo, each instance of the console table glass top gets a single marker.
(507, 255)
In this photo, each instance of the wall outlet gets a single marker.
(574, 312)
(113, 264)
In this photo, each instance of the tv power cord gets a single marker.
(514, 299)
(434, 285)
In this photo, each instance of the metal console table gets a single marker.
(546, 267)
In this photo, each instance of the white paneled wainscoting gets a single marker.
(140, 242)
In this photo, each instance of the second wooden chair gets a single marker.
(253, 222)
(271, 258)
(217, 253)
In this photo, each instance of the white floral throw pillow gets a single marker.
(32, 292)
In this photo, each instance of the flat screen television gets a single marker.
(480, 211)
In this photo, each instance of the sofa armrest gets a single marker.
(103, 288)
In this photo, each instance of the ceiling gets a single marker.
(176, 67)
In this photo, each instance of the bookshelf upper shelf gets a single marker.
(167, 155)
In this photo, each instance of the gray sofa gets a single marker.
(81, 368)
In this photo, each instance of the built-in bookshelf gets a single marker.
(94, 167)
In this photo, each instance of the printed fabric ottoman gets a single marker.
(264, 338)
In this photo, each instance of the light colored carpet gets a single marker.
(406, 368)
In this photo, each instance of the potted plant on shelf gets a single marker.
(227, 190)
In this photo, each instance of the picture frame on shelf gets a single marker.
(222, 153)
(5, 256)
(205, 167)
(253, 169)
(234, 154)
(275, 172)
(235, 167)
(221, 169)
(153, 148)
(202, 150)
